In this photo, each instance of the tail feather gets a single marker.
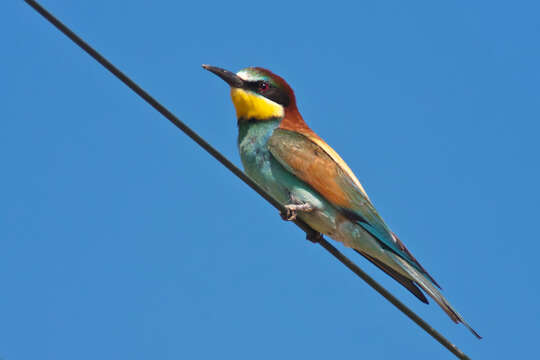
(404, 248)
(402, 279)
(434, 293)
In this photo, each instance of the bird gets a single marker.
(284, 156)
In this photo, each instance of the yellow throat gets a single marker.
(252, 106)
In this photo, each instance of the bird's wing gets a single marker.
(309, 158)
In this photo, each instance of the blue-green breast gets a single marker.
(258, 162)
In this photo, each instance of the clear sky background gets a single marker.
(121, 239)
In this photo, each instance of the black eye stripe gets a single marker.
(255, 85)
(270, 91)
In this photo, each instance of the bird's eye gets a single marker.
(263, 86)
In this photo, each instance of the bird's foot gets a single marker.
(314, 237)
(291, 210)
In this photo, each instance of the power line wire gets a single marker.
(310, 233)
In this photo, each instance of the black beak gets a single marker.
(230, 78)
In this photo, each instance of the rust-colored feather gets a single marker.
(311, 163)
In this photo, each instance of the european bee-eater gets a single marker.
(284, 156)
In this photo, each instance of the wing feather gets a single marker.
(309, 158)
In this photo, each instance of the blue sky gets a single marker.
(120, 238)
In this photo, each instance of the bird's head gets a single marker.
(257, 93)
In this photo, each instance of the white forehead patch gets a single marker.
(247, 76)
